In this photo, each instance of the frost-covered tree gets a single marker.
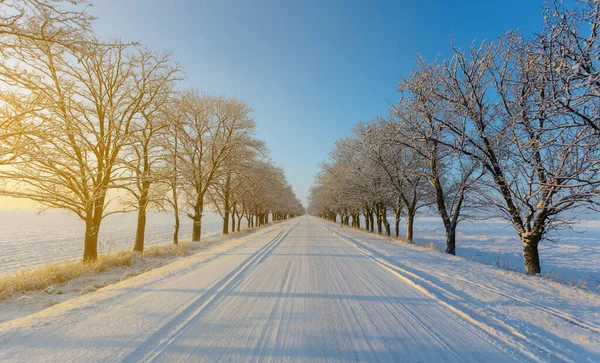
(31, 23)
(89, 98)
(145, 155)
(211, 129)
(452, 176)
(540, 165)
(570, 45)
(401, 166)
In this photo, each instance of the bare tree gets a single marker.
(89, 97)
(451, 174)
(540, 166)
(26, 23)
(145, 152)
(212, 126)
(401, 165)
(52, 21)
(228, 190)
(170, 142)
(570, 44)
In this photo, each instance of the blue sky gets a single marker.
(309, 69)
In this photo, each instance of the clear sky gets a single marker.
(310, 69)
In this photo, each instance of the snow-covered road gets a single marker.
(297, 290)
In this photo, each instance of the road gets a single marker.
(293, 291)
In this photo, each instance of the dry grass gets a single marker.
(167, 250)
(53, 274)
(429, 246)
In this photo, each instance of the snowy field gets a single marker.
(29, 239)
(574, 254)
(307, 290)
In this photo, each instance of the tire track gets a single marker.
(153, 347)
(512, 337)
(550, 311)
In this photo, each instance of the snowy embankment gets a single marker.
(29, 239)
(573, 257)
(22, 303)
(554, 321)
(306, 289)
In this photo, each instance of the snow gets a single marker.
(574, 255)
(29, 239)
(29, 302)
(306, 289)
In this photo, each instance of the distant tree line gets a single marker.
(96, 127)
(508, 128)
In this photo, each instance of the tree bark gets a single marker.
(226, 207)
(90, 250)
(92, 229)
(175, 214)
(233, 219)
(226, 222)
(386, 224)
(379, 221)
(140, 231)
(530, 242)
(176, 228)
(451, 239)
(197, 218)
(409, 225)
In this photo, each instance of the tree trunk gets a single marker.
(226, 207)
(140, 231)
(233, 219)
(397, 217)
(531, 255)
(90, 247)
(226, 222)
(372, 221)
(386, 224)
(451, 239)
(92, 229)
(197, 218)
(409, 225)
(176, 228)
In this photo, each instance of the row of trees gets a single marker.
(98, 127)
(508, 128)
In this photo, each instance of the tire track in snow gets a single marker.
(276, 310)
(152, 348)
(514, 338)
(417, 322)
(550, 311)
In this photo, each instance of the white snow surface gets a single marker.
(307, 290)
(571, 256)
(29, 239)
